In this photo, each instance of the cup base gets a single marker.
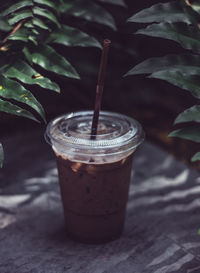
(94, 229)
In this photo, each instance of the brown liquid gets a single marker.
(94, 198)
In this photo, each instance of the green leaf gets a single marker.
(189, 133)
(33, 39)
(189, 82)
(190, 13)
(46, 14)
(39, 23)
(4, 26)
(185, 63)
(35, 31)
(196, 6)
(10, 108)
(114, 2)
(27, 54)
(161, 12)
(1, 155)
(46, 3)
(180, 70)
(19, 35)
(26, 74)
(69, 36)
(46, 57)
(11, 89)
(196, 157)
(29, 24)
(18, 5)
(89, 11)
(5, 62)
(186, 35)
(18, 16)
(190, 114)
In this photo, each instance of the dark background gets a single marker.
(154, 103)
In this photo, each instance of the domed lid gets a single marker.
(117, 137)
(114, 130)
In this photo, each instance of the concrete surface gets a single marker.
(162, 221)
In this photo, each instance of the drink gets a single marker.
(94, 175)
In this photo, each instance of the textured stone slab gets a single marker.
(161, 226)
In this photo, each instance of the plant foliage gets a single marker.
(178, 21)
(29, 30)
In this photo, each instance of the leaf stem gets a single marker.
(18, 26)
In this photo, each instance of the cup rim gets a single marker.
(130, 140)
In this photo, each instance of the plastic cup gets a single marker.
(94, 175)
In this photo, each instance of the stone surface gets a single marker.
(162, 221)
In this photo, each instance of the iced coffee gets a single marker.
(94, 175)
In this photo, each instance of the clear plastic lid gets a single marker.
(70, 135)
